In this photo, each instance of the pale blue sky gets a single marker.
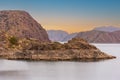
(76, 15)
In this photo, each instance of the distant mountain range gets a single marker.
(69, 37)
(100, 36)
(109, 34)
(107, 28)
(57, 35)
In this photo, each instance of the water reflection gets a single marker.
(13, 75)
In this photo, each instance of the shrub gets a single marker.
(13, 40)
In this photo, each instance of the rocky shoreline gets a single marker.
(44, 57)
(75, 50)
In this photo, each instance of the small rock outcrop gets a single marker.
(75, 50)
(21, 25)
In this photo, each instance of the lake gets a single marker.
(102, 70)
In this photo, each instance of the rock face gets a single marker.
(21, 25)
(95, 36)
(75, 50)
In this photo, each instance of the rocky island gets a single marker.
(22, 38)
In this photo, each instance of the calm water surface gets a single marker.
(103, 70)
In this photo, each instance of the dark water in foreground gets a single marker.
(103, 70)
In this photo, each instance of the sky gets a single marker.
(69, 15)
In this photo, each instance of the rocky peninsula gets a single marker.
(75, 50)
(23, 38)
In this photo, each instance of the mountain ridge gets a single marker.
(94, 36)
(107, 28)
(97, 35)
(21, 24)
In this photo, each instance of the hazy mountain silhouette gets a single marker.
(104, 34)
(57, 35)
(107, 28)
(101, 35)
